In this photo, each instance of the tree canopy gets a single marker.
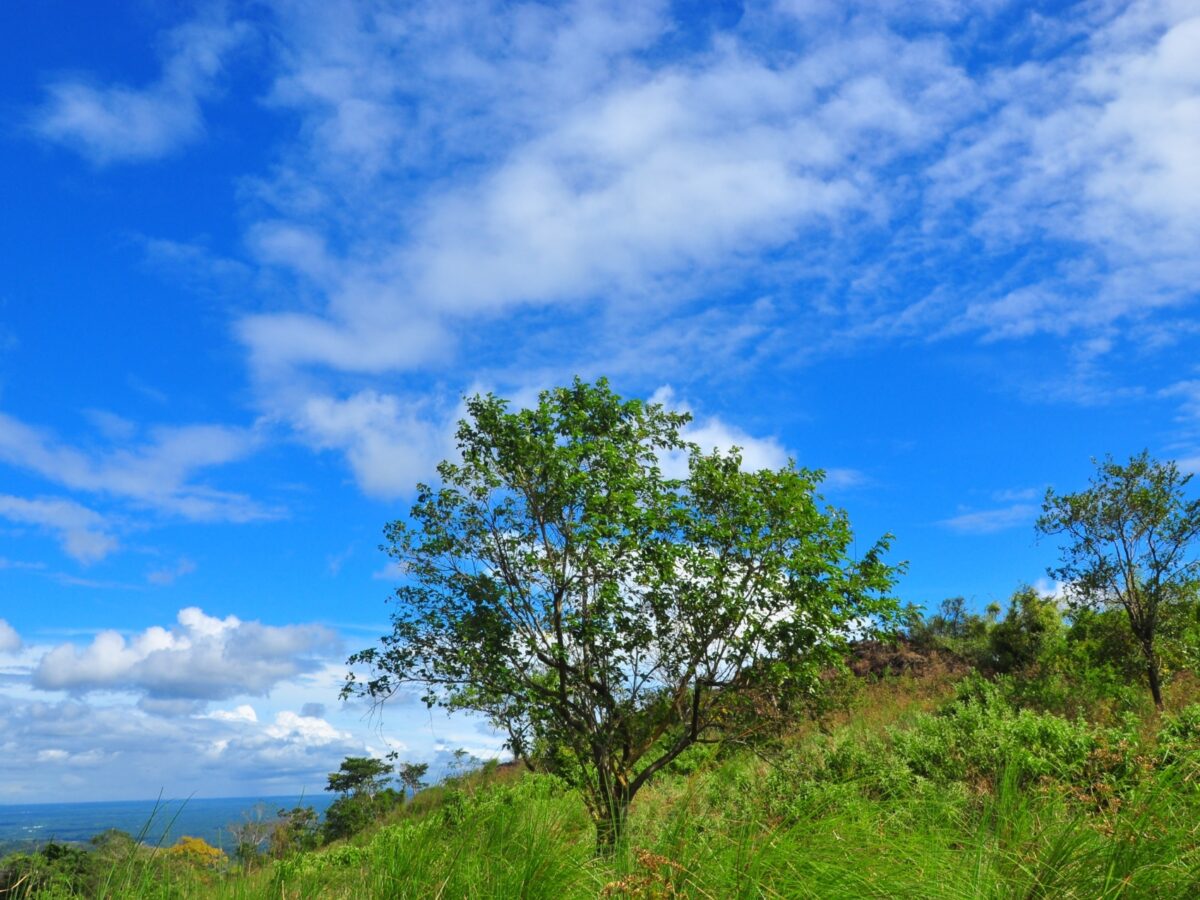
(360, 775)
(605, 616)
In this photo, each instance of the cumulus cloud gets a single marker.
(119, 123)
(84, 534)
(292, 744)
(1051, 589)
(306, 730)
(202, 658)
(128, 753)
(243, 713)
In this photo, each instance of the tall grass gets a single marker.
(976, 800)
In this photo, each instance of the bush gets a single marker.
(351, 813)
(1179, 737)
(197, 852)
(980, 734)
(296, 830)
(56, 870)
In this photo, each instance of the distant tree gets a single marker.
(294, 830)
(1129, 543)
(952, 618)
(360, 775)
(55, 870)
(250, 835)
(953, 629)
(1029, 632)
(365, 797)
(412, 775)
(606, 616)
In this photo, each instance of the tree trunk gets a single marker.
(609, 829)
(1152, 673)
(610, 814)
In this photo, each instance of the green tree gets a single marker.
(365, 797)
(1129, 543)
(360, 775)
(294, 830)
(412, 775)
(1029, 633)
(608, 617)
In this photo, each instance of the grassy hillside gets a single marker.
(943, 786)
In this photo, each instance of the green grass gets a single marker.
(973, 800)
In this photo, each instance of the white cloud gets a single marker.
(1051, 590)
(131, 754)
(989, 521)
(1188, 394)
(390, 443)
(126, 124)
(84, 534)
(390, 571)
(712, 433)
(1100, 152)
(243, 713)
(843, 479)
(606, 174)
(591, 175)
(10, 641)
(204, 658)
(6, 563)
(484, 190)
(306, 730)
(157, 473)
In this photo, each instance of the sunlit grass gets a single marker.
(811, 817)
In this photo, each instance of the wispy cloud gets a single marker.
(119, 123)
(84, 534)
(584, 186)
(606, 172)
(156, 473)
(605, 177)
(1093, 152)
(989, 521)
(168, 575)
(6, 563)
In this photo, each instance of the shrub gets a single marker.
(196, 852)
(980, 734)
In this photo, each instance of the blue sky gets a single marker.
(255, 254)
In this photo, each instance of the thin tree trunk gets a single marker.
(1155, 680)
(609, 829)
(610, 819)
